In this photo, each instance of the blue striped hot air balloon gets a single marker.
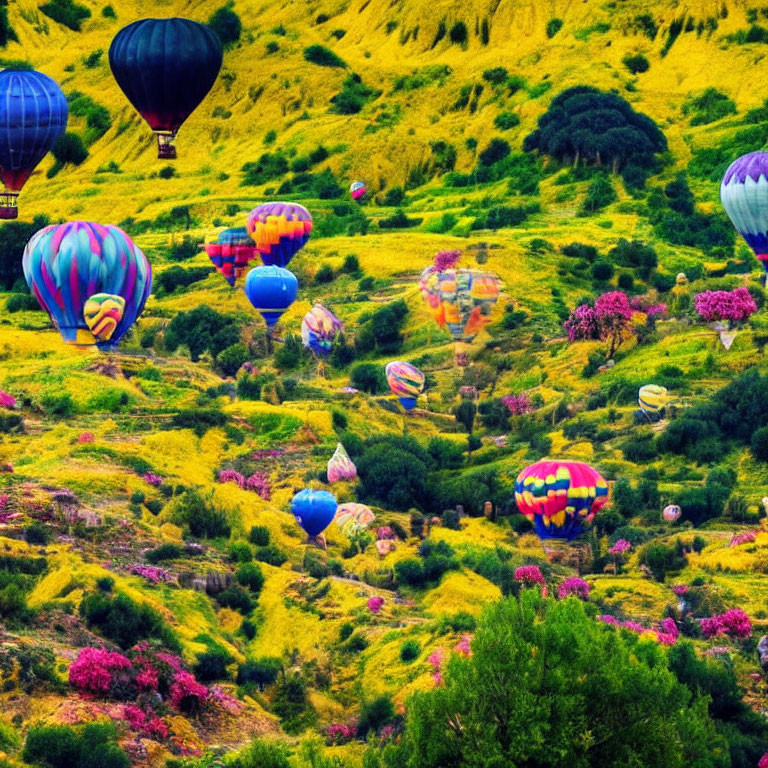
(33, 114)
(314, 510)
(90, 278)
(271, 290)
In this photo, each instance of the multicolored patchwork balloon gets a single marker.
(671, 513)
(340, 466)
(313, 510)
(69, 265)
(460, 300)
(319, 328)
(405, 381)
(358, 190)
(744, 194)
(354, 518)
(280, 231)
(102, 313)
(652, 398)
(559, 497)
(271, 291)
(232, 252)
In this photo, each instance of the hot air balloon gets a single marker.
(33, 114)
(405, 381)
(461, 301)
(280, 231)
(354, 518)
(358, 190)
(559, 497)
(165, 67)
(652, 398)
(90, 278)
(319, 328)
(340, 466)
(671, 513)
(744, 194)
(231, 253)
(313, 510)
(271, 290)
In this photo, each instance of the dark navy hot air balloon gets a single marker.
(33, 114)
(314, 510)
(90, 278)
(165, 67)
(271, 290)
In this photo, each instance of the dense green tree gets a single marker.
(202, 329)
(13, 238)
(226, 24)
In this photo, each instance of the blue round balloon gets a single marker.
(33, 114)
(271, 290)
(314, 510)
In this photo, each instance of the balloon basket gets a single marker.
(8, 207)
(166, 150)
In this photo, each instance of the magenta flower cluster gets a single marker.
(735, 306)
(610, 315)
(573, 586)
(339, 733)
(620, 547)
(435, 661)
(763, 761)
(680, 589)
(151, 573)
(385, 533)
(667, 633)
(257, 482)
(643, 304)
(734, 623)
(529, 575)
(446, 260)
(85, 437)
(743, 538)
(152, 479)
(518, 404)
(6, 400)
(375, 604)
(464, 646)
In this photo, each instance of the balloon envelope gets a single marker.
(652, 398)
(319, 328)
(280, 231)
(461, 300)
(405, 381)
(165, 67)
(231, 253)
(559, 497)
(271, 291)
(313, 510)
(671, 513)
(33, 114)
(340, 466)
(357, 189)
(354, 518)
(744, 194)
(68, 266)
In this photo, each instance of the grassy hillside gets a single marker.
(111, 464)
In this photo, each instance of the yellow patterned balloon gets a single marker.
(102, 312)
(652, 398)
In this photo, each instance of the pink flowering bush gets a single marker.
(259, 483)
(763, 761)
(734, 623)
(384, 533)
(435, 661)
(644, 305)
(375, 604)
(620, 547)
(146, 723)
(6, 400)
(152, 479)
(529, 575)
(667, 633)
(464, 646)
(446, 260)
(517, 404)
(680, 589)
(339, 733)
(85, 437)
(96, 671)
(734, 306)
(230, 476)
(151, 573)
(573, 586)
(187, 695)
(743, 538)
(609, 320)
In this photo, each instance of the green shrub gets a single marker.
(553, 27)
(212, 665)
(324, 274)
(58, 405)
(201, 330)
(260, 672)
(175, 277)
(200, 420)
(265, 169)
(164, 552)
(240, 552)
(399, 220)
(108, 12)
(600, 193)
(459, 34)
(291, 703)
(354, 95)
(270, 555)
(409, 651)
(636, 64)
(66, 12)
(230, 360)
(602, 271)
(37, 534)
(93, 745)
(709, 106)
(375, 715)
(22, 302)
(227, 25)
(259, 536)
(759, 444)
(200, 516)
(236, 598)
(369, 377)
(69, 148)
(119, 619)
(506, 121)
(251, 576)
(496, 75)
(322, 56)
